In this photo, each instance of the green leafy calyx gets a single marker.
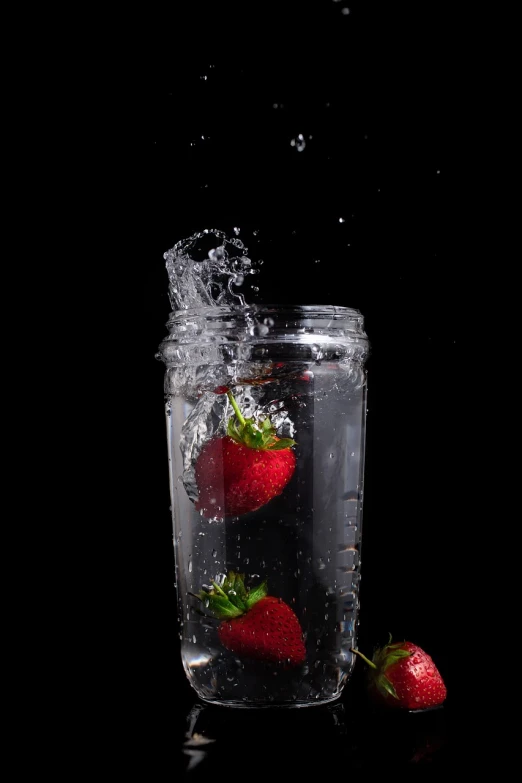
(255, 435)
(231, 598)
(382, 659)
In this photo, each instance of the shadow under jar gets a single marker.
(267, 539)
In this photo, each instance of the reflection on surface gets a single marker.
(337, 737)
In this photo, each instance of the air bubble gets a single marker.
(259, 330)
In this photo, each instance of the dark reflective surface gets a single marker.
(186, 739)
(314, 740)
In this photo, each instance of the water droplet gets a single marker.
(342, 220)
(190, 564)
(214, 553)
(345, 11)
(268, 321)
(216, 254)
(317, 261)
(331, 455)
(236, 230)
(246, 561)
(203, 78)
(299, 143)
(194, 638)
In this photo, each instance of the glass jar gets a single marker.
(266, 409)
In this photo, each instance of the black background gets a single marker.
(372, 93)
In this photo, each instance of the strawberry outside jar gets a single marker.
(266, 409)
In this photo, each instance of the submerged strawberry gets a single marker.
(254, 624)
(245, 469)
(403, 675)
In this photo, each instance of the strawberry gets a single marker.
(254, 624)
(403, 675)
(243, 470)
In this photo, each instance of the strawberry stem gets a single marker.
(367, 660)
(236, 408)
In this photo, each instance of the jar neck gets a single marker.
(266, 321)
(271, 330)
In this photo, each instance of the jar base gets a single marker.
(269, 705)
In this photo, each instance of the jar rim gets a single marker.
(332, 311)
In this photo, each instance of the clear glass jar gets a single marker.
(289, 521)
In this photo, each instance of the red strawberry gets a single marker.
(245, 469)
(254, 624)
(403, 675)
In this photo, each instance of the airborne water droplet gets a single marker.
(299, 143)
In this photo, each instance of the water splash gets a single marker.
(205, 269)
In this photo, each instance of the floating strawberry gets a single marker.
(245, 469)
(403, 675)
(254, 624)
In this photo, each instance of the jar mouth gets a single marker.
(333, 312)
(268, 330)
